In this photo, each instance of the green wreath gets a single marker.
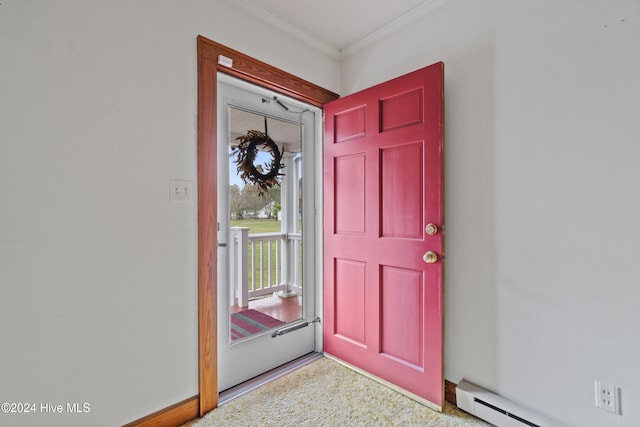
(248, 171)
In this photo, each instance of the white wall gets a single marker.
(98, 270)
(542, 182)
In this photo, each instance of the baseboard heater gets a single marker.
(497, 410)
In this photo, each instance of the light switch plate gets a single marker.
(180, 190)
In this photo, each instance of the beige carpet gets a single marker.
(325, 393)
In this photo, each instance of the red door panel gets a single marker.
(399, 306)
(349, 293)
(383, 186)
(350, 196)
(401, 205)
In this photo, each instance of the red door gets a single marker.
(383, 212)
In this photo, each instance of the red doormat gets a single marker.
(249, 322)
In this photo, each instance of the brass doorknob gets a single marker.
(430, 257)
(431, 229)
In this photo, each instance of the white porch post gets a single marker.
(288, 202)
(239, 262)
(296, 278)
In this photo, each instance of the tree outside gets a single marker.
(247, 202)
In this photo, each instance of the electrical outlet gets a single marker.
(180, 190)
(607, 397)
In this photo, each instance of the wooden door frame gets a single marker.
(262, 74)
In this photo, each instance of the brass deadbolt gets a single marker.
(431, 229)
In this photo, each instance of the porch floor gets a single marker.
(284, 309)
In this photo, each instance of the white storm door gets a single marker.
(242, 359)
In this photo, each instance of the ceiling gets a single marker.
(338, 27)
(286, 135)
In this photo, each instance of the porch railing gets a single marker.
(263, 263)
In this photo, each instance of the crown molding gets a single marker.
(392, 26)
(301, 34)
(262, 13)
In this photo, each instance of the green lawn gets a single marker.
(258, 225)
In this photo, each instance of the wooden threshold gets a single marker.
(250, 385)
